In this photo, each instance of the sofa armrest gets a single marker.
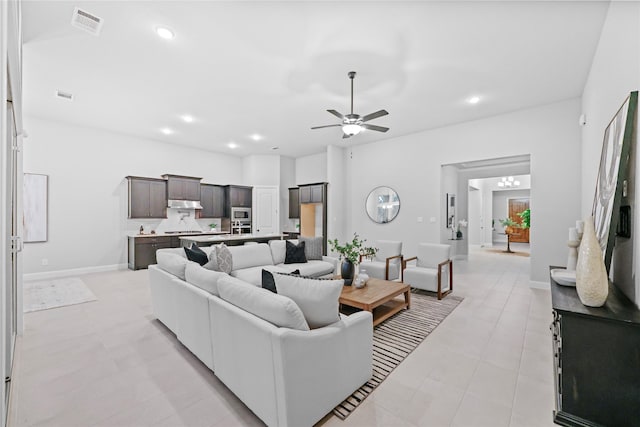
(333, 260)
(316, 370)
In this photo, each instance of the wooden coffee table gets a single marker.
(377, 297)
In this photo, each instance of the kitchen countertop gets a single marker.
(181, 234)
(212, 239)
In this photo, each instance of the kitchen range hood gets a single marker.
(185, 204)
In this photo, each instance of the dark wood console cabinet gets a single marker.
(142, 250)
(596, 360)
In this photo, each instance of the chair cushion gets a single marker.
(295, 253)
(312, 247)
(172, 263)
(432, 254)
(277, 309)
(377, 269)
(203, 278)
(388, 248)
(425, 278)
(246, 256)
(318, 299)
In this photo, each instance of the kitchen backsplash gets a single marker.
(177, 220)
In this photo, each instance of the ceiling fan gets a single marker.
(352, 124)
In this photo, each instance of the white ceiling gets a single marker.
(273, 68)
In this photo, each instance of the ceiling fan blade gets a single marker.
(374, 127)
(374, 115)
(335, 113)
(344, 135)
(325, 126)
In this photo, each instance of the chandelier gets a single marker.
(508, 182)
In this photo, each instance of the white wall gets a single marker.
(336, 193)
(311, 169)
(615, 72)
(88, 191)
(412, 166)
(261, 170)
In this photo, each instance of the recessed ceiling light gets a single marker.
(256, 137)
(165, 33)
(474, 100)
(187, 118)
(166, 131)
(232, 145)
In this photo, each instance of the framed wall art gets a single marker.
(612, 172)
(35, 207)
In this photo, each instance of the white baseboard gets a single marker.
(539, 285)
(72, 272)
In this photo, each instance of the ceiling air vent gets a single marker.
(64, 95)
(86, 21)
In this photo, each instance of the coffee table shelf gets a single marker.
(378, 297)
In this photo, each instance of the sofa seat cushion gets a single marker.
(312, 268)
(317, 298)
(253, 275)
(279, 310)
(172, 263)
(203, 278)
(377, 269)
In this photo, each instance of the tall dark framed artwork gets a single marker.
(614, 161)
(451, 210)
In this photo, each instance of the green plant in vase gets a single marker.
(213, 226)
(350, 253)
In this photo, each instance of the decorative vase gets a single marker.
(459, 235)
(361, 279)
(592, 283)
(347, 270)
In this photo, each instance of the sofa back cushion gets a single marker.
(317, 298)
(276, 309)
(250, 256)
(388, 248)
(432, 254)
(203, 278)
(172, 263)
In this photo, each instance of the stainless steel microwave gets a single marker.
(240, 214)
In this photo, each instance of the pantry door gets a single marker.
(265, 212)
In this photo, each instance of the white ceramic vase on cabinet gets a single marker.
(592, 283)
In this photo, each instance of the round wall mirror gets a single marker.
(383, 205)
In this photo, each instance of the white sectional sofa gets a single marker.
(254, 341)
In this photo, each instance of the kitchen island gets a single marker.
(229, 239)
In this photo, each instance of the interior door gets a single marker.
(516, 206)
(265, 210)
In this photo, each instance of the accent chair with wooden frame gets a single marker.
(387, 264)
(433, 270)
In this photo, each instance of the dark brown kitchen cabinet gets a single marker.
(142, 250)
(147, 197)
(237, 196)
(313, 193)
(596, 359)
(294, 202)
(212, 201)
(182, 187)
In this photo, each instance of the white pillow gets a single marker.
(318, 299)
(276, 309)
(278, 251)
(172, 263)
(206, 280)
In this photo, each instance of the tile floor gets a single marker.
(110, 363)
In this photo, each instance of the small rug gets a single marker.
(395, 338)
(46, 294)
(503, 252)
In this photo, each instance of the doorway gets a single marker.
(516, 207)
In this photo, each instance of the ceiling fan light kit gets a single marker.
(353, 124)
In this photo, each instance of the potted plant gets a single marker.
(526, 218)
(213, 226)
(509, 225)
(350, 254)
(462, 223)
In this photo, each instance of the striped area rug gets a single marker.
(395, 338)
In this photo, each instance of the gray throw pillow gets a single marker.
(212, 264)
(225, 260)
(312, 247)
